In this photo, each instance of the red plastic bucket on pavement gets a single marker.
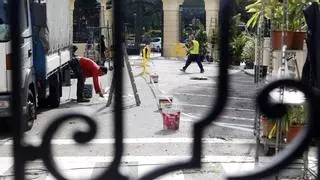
(171, 119)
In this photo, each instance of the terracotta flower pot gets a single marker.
(298, 40)
(293, 132)
(277, 38)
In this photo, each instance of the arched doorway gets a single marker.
(143, 22)
(86, 14)
(192, 18)
(172, 18)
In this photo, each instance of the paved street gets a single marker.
(229, 144)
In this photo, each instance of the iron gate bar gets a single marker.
(24, 152)
(118, 77)
(19, 161)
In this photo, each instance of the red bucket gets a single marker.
(171, 119)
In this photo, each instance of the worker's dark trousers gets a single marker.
(80, 86)
(75, 66)
(102, 59)
(191, 58)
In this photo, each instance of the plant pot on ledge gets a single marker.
(294, 40)
(249, 65)
(293, 132)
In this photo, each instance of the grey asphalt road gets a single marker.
(239, 112)
(196, 98)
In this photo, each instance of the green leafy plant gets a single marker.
(192, 29)
(269, 6)
(238, 40)
(296, 115)
(202, 38)
(237, 45)
(248, 52)
(274, 10)
(155, 33)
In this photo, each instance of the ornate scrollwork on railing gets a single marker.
(24, 153)
(79, 137)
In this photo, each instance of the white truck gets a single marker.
(46, 39)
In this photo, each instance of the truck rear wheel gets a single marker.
(54, 97)
(42, 103)
(31, 111)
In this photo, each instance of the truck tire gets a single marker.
(54, 97)
(42, 103)
(31, 111)
(4, 127)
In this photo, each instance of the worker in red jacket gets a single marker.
(84, 68)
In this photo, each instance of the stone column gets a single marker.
(171, 21)
(71, 6)
(109, 23)
(106, 18)
(212, 12)
(102, 12)
(106, 14)
(212, 15)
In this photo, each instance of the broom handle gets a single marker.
(298, 72)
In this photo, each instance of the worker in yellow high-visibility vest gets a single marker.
(193, 52)
(146, 51)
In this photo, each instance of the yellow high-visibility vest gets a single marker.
(146, 52)
(195, 47)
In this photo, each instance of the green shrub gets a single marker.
(237, 45)
(248, 53)
(155, 33)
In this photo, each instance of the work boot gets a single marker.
(202, 71)
(83, 100)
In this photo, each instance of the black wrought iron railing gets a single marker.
(25, 152)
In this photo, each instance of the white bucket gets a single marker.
(165, 102)
(154, 78)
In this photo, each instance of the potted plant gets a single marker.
(274, 11)
(296, 117)
(238, 40)
(237, 46)
(292, 122)
(203, 40)
(248, 52)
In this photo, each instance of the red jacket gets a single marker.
(91, 69)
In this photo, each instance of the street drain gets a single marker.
(199, 78)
